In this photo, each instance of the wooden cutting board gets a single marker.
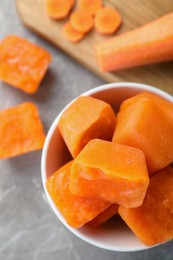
(134, 14)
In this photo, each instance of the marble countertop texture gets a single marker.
(29, 230)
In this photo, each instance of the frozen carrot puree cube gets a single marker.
(152, 221)
(21, 130)
(76, 210)
(113, 172)
(104, 216)
(164, 104)
(147, 125)
(85, 119)
(22, 63)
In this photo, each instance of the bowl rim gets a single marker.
(139, 86)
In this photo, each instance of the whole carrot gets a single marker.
(150, 43)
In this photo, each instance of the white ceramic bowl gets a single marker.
(114, 236)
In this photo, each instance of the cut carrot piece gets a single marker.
(107, 20)
(21, 130)
(22, 63)
(112, 172)
(152, 222)
(104, 216)
(90, 6)
(148, 44)
(81, 21)
(76, 211)
(58, 9)
(85, 119)
(146, 125)
(71, 34)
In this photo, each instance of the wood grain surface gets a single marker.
(134, 14)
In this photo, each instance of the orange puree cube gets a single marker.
(152, 222)
(22, 63)
(109, 171)
(164, 104)
(21, 130)
(76, 210)
(147, 124)
(85, 119)
(104, 216)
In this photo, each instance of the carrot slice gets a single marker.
(81, 21)
(104, 216)
(107, 20)
(21, 130)
(152, 222)
(22, 63)
(58, 9)
(151, 43)
(71, 34)
(90, 6)
(76, 210)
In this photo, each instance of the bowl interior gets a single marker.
(114, 235)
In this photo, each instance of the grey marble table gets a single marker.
(29, 230)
